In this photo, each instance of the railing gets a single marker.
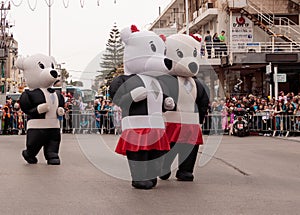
(259, 124)
(86, 123)
(222, 49)
(278, 25)
(264, 15)
(288, 28)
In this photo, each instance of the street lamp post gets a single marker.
(49, 5)
(62, 77)
(187, 16)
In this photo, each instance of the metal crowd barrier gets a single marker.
(259, 124)
(15, 124)
(107, 123)
(89, 122)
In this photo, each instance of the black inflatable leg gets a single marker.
(138, 162)
(155, 163)
(168, 159)
(51, 147)
(34, 142)
(187, 159)
(28, 158)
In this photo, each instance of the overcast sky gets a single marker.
(78, 34)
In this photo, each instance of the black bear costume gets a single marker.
(43, 106)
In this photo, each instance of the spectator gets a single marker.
(76, 108)
(1, 112)
(231, 119)
(289, 110)
(117, 118)
(20, 121)
(282, 97)
(89, 107)
(297, 118)
(216, 45)
(104, 112)
(278, 111)
(84, 124)
(208, 45)
(266, 120)
(216, 116)
(67, 120)
(110, 118)
(6, 117)
(98, 121)
(224, 115)
(223, 47)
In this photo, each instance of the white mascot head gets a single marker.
(144, 52)
(39, 70)
(184, 51)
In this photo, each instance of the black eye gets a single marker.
(153, 47)
(52, 65)
(180, 54)
(195, 53)
(41, 65)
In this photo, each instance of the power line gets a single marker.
(17, 5)
(66, 5)
(50, 3)
(29, 5)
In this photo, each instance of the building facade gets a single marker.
(11, 78)
(262, 38)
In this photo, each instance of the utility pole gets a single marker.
(4, 46)
(49, 5)
(187, 16)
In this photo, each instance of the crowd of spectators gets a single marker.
(12, 118)
(102, 116)
(97, 116)
(213, 45)
(265, 114)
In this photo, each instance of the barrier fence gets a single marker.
(110, 123)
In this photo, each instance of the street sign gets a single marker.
(269, 69)
(281, 77)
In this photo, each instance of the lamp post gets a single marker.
(62, 77)
(187, 16)
(49, 5)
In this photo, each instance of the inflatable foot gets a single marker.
(29, 159)
(145, 185)
(55, 161)
(166, 176)
(184, 176)
(154, 182)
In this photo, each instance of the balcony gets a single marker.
(202, 16)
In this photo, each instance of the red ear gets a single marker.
(196, 37)
(134, 28)
(163, 37)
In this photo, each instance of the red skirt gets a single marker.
(143, 139)
(184, 133)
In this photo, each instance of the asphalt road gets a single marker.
(250, 175)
